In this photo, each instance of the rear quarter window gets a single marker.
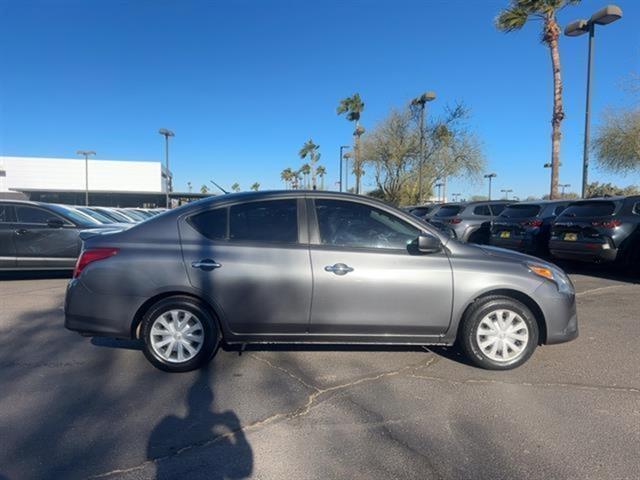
(448, 211)
(211, 224)
(636, 208)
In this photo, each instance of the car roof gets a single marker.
(22, 202)
(543, 202)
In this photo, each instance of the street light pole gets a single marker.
(563, 186)
(604, 16)
(166, 134)
(85, 154)
(342, 147)
(438, 186)
(506, 192)
(421, 103)
(490, 176)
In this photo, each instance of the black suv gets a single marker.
(598, 230)
(526, 226)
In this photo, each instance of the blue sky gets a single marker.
(244, 83)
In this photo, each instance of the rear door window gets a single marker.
(271, 221)
(6, 214)
(482, 210)
(520, 211)
(448, 211)
(559, 209)
(211, 224)
(589, 209)
(34, 215)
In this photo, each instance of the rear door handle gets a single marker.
(338, 269)
(206, 264)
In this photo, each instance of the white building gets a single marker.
(64, 180)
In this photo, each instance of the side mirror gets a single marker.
(428, 243)
(55, 223)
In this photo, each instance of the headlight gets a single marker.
(556, 275)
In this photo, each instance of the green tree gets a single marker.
(352, 107)
(235, 187)
(321, 172)
(597, 189)
(255, 187)
(617, 141)
(204, 188)
(310, 150)
(514, 17)
(287, 176)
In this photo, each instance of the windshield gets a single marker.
(520, 211)
(116, 216)
(589, 209)
(74, 215)
(448, 211)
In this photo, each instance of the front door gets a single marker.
(39, 245)
(248, 259)
(368, 280)
(7, 247)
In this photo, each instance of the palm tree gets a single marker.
(255, 187)
(286, 176)
(310, 149)
(189, 186)
(235, 187)
(321, 172)
(305, 170)
(353, 106)
(204, 189)
(295, 179)
(513, 18)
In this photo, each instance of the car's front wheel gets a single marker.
(179, 334)
(499, 333)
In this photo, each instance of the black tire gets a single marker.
(211, 333)
(471, 323)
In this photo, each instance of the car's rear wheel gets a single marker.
(179, 334)
(499, 333)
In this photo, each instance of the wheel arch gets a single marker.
(144, 308)
(519, 296)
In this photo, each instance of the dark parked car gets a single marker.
(422, 211)
(467, 221)
(526, 226)
(599, 230)
(40, 236)
(311, 267)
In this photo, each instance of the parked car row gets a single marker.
(593, 230)
(46, 236)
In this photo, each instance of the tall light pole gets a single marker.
(85, 154)
(346, 157)
(604, 16)
(456, 196)
(342, 147)
(490, 176)
(563, 186)
(420, 103)
(166, 134)
(506, 192)
(439, 186)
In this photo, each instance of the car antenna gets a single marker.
(223, 190)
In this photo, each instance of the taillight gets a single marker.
(607, 223)
(455, 220)
(533, 223)
(92, 255)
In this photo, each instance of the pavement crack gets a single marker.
(284, 370)
(576, 386)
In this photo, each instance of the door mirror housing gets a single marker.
(55, 223)
(428, 243)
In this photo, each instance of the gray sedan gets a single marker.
(311, 267)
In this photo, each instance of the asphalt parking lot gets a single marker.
(73, 407)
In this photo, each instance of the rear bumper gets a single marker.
(583, 251)
(94, 314)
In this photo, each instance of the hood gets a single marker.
(510, 255)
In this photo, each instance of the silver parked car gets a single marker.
(467, 221)
(311, 267)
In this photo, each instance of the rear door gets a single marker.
(7, 227)
(365, 279)
(39, 245)
(252, 261)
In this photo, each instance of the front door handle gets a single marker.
(206, 264)
(338, 269)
